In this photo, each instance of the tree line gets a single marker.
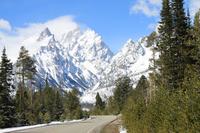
(114, 104)
(168, 101)
(21, 103)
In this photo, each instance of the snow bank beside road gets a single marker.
(122, 130)
(12, 129)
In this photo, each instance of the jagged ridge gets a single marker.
(83, 61)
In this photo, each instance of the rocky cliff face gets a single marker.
(81, 60)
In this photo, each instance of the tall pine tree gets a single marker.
(173, 46)
(72, 105)
(49, 97)
(165, 44)
(180, 36)
(143, 88)
(25, 70)
(99, 103)
(58, 107)
(122, 90)
(7, 110)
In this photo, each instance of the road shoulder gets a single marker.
(112, 127)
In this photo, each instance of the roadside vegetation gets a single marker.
(168, 101)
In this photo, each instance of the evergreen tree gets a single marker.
(165, 61)
(111, 106)
(72, 105)
(122, 90)
(99, 103)
(196, 40)
(40, 118)
(180, 46)
(192, 80)
(188, 19)
(49, 98)
(197, 28)
(58, 111)
(143, 88)
(22, 105)
(32, 118)
(153, 67)
(26, 68)
(7, 110)
(47, 117)
(173, 44)
(136, 104)
(37, 107)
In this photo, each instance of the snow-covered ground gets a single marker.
(6, 130)
(122, 130)
(90, 95)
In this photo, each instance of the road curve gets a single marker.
(93, 125)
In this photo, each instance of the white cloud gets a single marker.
(12, 40)
(194, 6)
(5, 25)
(150, 8)
(57, 26)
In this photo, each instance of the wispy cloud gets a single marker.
(150, 8)
(5, 25)
(13, 37)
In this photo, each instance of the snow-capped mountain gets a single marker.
(81, 60)
(75, 61)
(132, 60)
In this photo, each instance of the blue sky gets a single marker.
(115, 20)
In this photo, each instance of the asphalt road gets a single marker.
(93, 125)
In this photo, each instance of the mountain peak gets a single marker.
(130, 41)
(92, 35)
(45, 33)
(90, 31)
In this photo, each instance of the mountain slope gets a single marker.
(132, 60)
(81, 60)
(73, 62)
